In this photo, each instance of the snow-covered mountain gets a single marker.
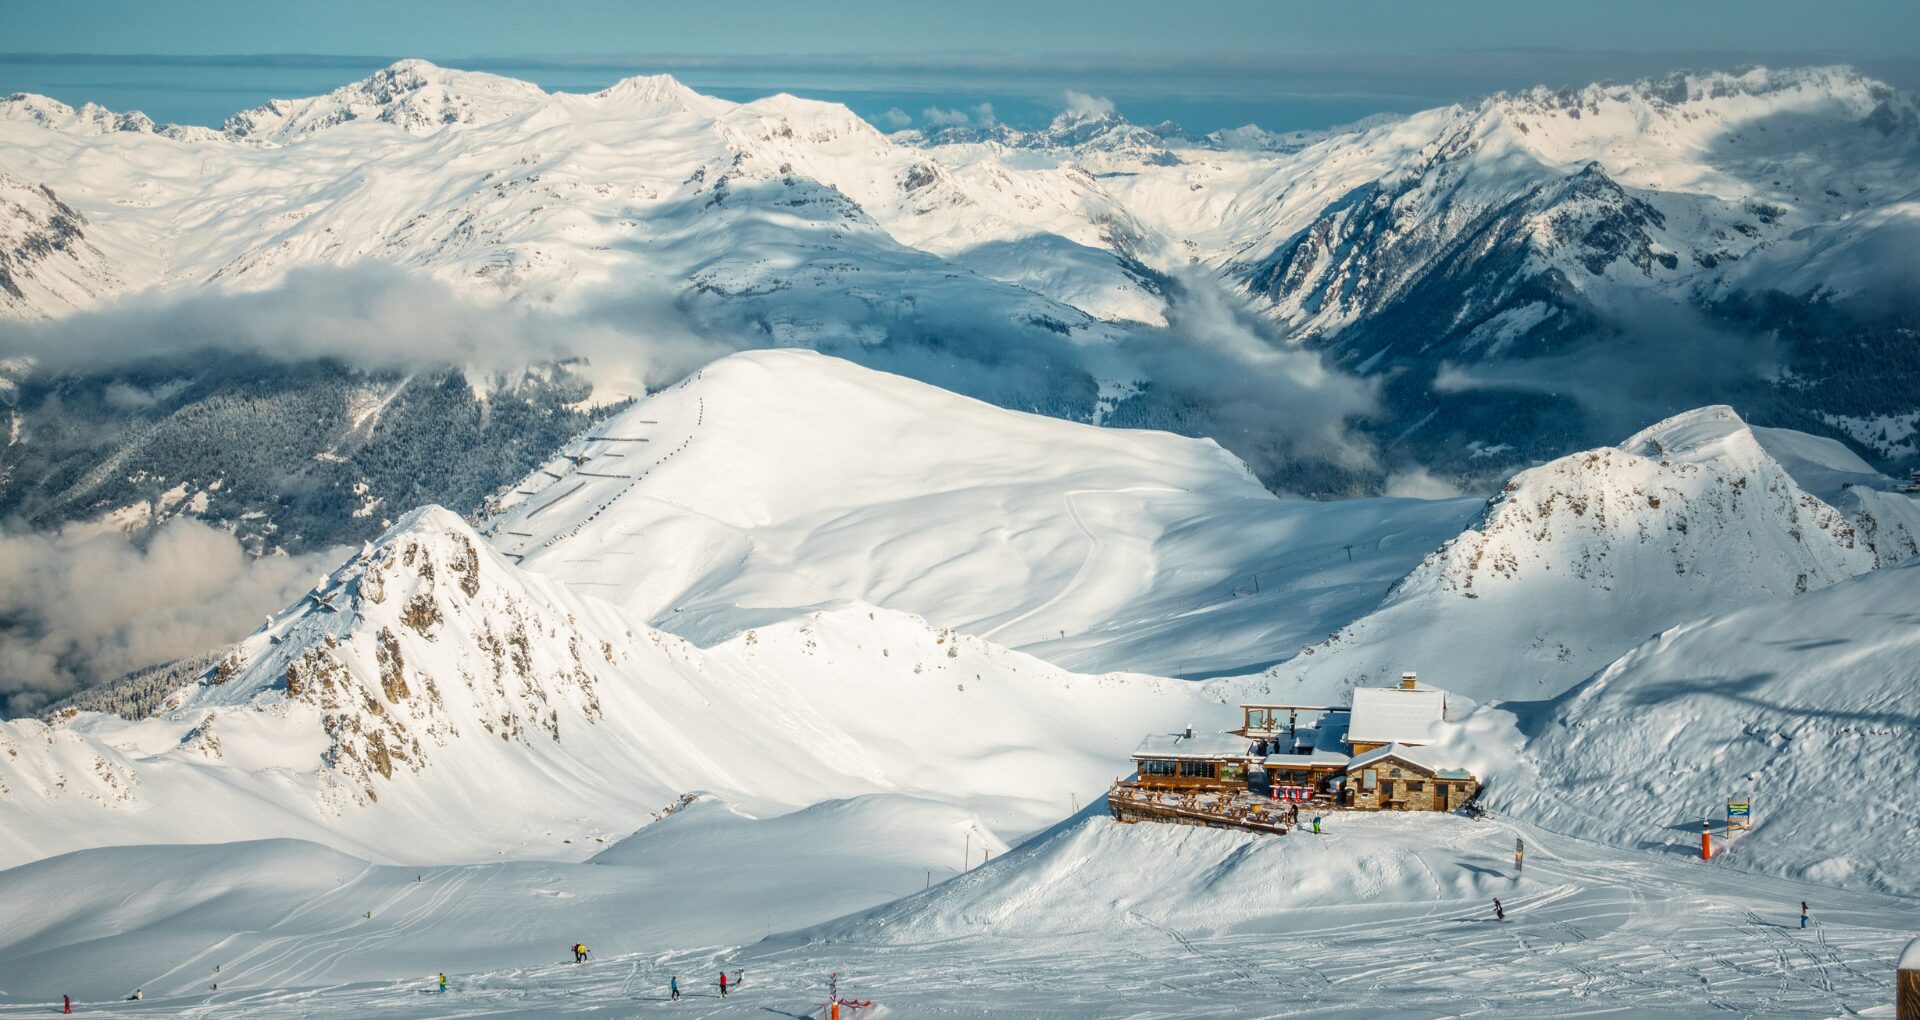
(491, 183)
(1500, 265)
(47, 264)
(1496, 268)
(429, 701)
(773, 482)
(1575, 562)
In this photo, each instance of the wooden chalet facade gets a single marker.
(1190, 761)
(1374, 755)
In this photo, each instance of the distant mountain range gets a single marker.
(1492, 285)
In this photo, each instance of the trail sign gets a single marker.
(1739, 814)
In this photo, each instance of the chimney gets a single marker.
(1189, 731)
(1409, 681)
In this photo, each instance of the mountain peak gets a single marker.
(417, 96)
(1693, 435)
(659, 93)
(91, 118)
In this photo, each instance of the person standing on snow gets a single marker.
(1803, 913)
(673, 988)
(443, 980)
(723, 984)
(1499, 912)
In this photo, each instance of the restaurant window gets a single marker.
(1156, 768)
(1197, 769)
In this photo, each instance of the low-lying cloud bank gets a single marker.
(1217, 369)
(76, 611)
(373, 316)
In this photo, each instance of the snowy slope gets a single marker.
(143, 916)
(1174, 922)
(429, 702)
(1580, 559)
(773, 482)
(1806, 707)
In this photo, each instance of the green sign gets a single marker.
(1739, 809)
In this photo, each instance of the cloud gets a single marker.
(79, 609)
(1662, 358)
(374, 316)
(1088, 106)
(1277, 405)
(1419, 483)
(981, 116)
(937, 117)
(895, 118)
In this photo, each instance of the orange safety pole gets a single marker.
(836, 1011)
(1706, 841)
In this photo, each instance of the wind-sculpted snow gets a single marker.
(1578, 560)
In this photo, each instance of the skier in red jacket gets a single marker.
(723, 984)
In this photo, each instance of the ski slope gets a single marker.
(1380, 917)
(777, 482)
(287, 914)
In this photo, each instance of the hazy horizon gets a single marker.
(1201, 92)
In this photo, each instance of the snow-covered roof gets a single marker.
(1318, 756)
(1200, 745)
(1421, 756)
(1330, 731)
(1388, 715)
(1910, 960)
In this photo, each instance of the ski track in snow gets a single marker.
(1094, 544)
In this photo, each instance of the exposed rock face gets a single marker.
(405, 645)
(46, 261)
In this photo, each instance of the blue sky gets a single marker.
(1282, 64)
